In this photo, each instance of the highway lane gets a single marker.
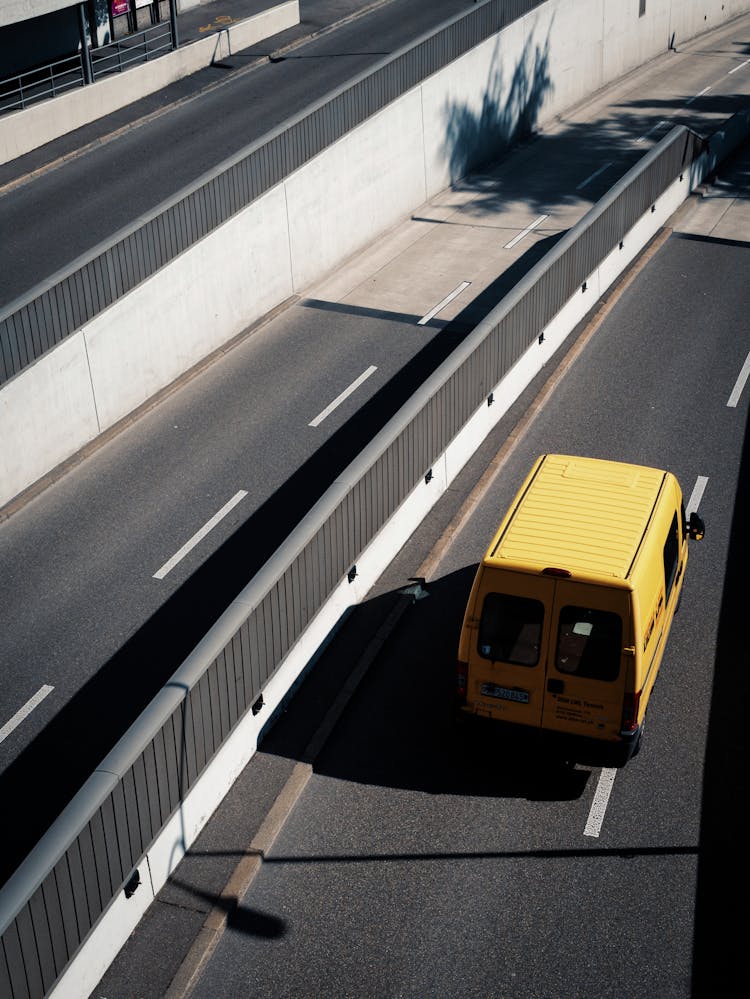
(417, 865)
(82, 611)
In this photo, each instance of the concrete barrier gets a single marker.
(322, 213)
(28, 129)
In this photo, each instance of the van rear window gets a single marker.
(589, 643)
(510, 629)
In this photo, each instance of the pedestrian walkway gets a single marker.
(209, 18)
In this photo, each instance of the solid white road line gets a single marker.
(199, 535)
(734, 398)
(600, 802)
(696, 495)
(344, 395)
(26, 710)
(738, 68)
(696, 96)
(585, 183)
(526, 231)
(441, 305)
(655, 127)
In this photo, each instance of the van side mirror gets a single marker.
(695, 527)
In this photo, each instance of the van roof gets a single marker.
(581, 514)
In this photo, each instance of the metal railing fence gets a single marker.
(51, 311)
(54, 78)
(49, 906)
(131, 50)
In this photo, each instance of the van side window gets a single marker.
(510, 629)
(671, 554)
(589, 643)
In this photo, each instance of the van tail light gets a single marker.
(630, 712)
(462, 673)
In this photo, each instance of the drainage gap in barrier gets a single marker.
(132, 884)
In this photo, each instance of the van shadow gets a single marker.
(399, 730)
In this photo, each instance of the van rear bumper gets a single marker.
(573, 748)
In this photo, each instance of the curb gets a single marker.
(191, 969)
(189, 973)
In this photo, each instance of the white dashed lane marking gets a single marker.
(739, 385)
(594, 175)
(344, 395)
(199, 535)
(600, 802)
(25, 711)
(525, 232)
(441, 305)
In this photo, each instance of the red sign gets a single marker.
(120, 7)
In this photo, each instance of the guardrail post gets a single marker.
(173, 23)
(88, 73)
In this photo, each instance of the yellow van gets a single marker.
(571, 605)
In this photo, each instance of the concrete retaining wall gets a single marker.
(26, 130)
(686, 20)
(324, 212)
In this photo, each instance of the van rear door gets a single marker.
(587, 665)
(509, 646)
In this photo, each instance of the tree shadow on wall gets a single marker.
(508, 114)
(575, 164)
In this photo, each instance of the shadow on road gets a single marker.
(399, 730)
(720, 944)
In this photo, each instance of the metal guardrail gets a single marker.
(51, 903)
(55, 308)
(55, 78)
(131, 50)
(19, 92)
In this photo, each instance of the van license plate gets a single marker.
(492, 690)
